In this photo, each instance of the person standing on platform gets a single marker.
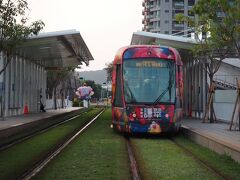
(42, 108)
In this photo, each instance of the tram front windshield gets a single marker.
(149, 81)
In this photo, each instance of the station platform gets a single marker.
(15, 121)
(215, 136)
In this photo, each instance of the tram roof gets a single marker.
(180, 43)
(56, 49)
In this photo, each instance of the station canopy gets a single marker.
(180, 43)
(183, 44)
(56, 50)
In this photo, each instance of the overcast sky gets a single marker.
(105, 25)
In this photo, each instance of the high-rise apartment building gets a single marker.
(159, 16)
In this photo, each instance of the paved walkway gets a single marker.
(22, 119)
(219, 130)
(216, 136)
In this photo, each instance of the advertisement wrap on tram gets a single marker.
(147, 90)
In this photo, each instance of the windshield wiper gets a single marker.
(168, 89)
(161, 95)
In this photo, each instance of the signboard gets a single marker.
(153, 64)
(150, 112)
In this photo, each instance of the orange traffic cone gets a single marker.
(25, 110)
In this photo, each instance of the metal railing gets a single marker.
(226, 81)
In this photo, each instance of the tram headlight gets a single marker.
(134, 115)
(166, 115)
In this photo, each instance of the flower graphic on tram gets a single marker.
(154, 128)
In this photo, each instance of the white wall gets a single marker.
(50, 104)
(229, 71)
(23, 82)
(224, 101)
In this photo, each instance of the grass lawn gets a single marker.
(223, 163)
(161, 159)
(99, 153)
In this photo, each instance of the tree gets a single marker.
(13, 26)
(217, 31)
(109, 68)
(56, 80)
(97, 88)
(222, 19)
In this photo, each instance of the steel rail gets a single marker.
(133, 163)
(28, 175)
(8, 145)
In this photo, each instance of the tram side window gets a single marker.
(180, 103)
(118, 96)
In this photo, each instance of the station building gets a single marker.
(195, 78)
(24, 80)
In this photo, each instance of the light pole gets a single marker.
(102, 93)
(107, 95)
(104, 83)
(107, 92)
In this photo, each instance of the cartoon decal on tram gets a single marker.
(147, 90)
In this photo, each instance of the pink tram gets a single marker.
(147, 90)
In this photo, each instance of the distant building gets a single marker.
(159, 16)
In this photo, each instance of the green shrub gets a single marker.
(77, 103)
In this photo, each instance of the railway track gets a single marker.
(202, 162)
(37, 132)
(43, 162)
(101, 153)
(132, 160)
(136, 168)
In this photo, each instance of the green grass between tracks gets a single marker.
(222, 163)
(161, 159)
(98, 153)
(15, 160)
